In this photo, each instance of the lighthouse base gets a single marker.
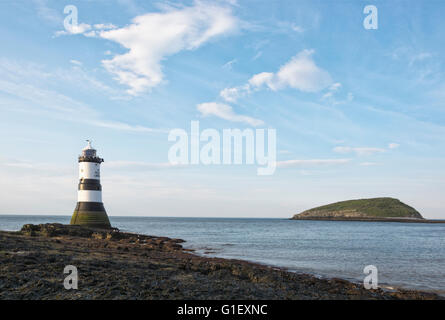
(90, 214)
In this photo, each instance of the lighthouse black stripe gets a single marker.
(90, 206)
(90, 187)
(90, 159)
(89, 184)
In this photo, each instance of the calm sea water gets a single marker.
(406, 254)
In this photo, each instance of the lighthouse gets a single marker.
(90, 210)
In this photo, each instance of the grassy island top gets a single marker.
(375, 208)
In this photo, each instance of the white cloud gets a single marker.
(232, 94)
(310, 162)
(328, 94)
(419, 57)
(104, 26)
(299, 73)
(116, 125)
(152, 37)
(286, 26)
(229, 64)
(80, 28)
(138, 165)
(331, 95)
(257, 55)
(78, 63)
(90, 34)
(335, 86)
(368, 164)
(393, 145)
(16, 163)
(361, 151)
(260, 79)
(48, 14)
(365, 151)
(225, 112)
(297, 28)
(86, 29)
(411, 55)
(332, 89)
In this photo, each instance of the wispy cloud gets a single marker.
(104, 26)
(76, 62)
(411, 56)
(257, 55)
(46, 13)
(286, 27)
(86, 29)
(117, 125)
(310, 162)
(81, 28)
(28, 83)
(32, 82)
(419, 57)
(365, 151)
(297, 28)
(332, 89)
(393, 145)
(368, 164)
(300, 73)
(361, 151)
(331, 96)
(31, 166)
(226, 112)
(229, 64)
(138, 165)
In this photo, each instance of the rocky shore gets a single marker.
(118, 265)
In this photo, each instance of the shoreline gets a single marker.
(119, 265)
(384, 286)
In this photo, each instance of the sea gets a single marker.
(406, 255)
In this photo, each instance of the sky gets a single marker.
(358, 112)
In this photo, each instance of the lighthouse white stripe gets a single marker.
(89, 196)
(89, 170)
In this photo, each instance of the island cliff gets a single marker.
(375, 209)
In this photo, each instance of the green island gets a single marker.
(375, 209)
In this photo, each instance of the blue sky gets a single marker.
(358, 113)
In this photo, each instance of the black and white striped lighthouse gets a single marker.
(90, 210)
